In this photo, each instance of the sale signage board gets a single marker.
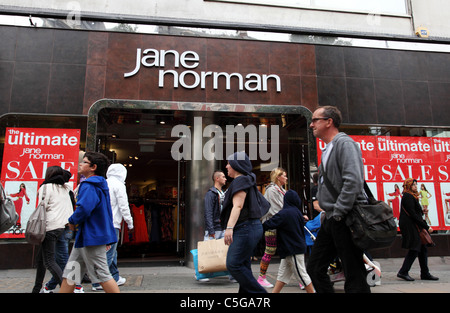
(389, 160)
(28, 152)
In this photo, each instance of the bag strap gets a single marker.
(329, 185)
(406, 211)
(417, 226)
(336, 194)
(44, 191)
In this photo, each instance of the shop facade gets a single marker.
(172, 107)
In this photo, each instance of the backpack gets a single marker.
(36, 226)
(8, 214)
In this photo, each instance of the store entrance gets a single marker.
(141, 141)
(166, 195)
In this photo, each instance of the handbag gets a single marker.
(424, 235)
(35, 230)
(372, 225)
(212, 256)
(8, 214)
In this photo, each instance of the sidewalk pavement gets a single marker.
(170, 277)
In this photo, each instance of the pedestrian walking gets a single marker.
(410, 222)
(213, 206)
(342, 163)
(95, 230)
(115, 177)
(58, 210)
(274, 194)
(289, 223)
(62, 248)
(241, 219)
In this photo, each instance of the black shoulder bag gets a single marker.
(372, 225)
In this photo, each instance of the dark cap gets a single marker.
(240, 162)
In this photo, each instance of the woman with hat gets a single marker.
(241, 219)
(410, 221)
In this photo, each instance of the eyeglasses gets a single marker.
(320, 118)
(86, 162)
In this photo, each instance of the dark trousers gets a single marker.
(46, 259)
(334, 239)
(411, 257)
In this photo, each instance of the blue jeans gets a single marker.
(111, 257)
(246, 236)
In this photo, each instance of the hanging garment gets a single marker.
(140, 234)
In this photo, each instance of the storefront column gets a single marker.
(198, 181)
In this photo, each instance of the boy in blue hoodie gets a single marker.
(94, 224)
(291, 246)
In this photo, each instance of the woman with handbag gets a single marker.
(411, 223)
(240, 217)
(275, 195)
(58, 210)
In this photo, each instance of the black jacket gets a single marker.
(289, 224)
(410, 234)
(255, 205)
(212, 211)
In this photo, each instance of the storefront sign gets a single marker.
(190, 79)
(389, 160)
(28, 152)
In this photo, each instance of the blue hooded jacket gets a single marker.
(289, 224)
(93, 215)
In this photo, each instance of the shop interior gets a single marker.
(141, 140)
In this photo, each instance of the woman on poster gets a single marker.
(410, 220)
(424, 195)
(19, 202)
(394, 203)
(447, 201)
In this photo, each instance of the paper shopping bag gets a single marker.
(212, 256)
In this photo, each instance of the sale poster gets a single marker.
(390, 160)
(28, 152)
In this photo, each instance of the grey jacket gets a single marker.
(345, 171)
(275, 195)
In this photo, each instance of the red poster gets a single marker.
(28, 152)
(441, 146)
(367, 144)
(404, 157)
(389, 160)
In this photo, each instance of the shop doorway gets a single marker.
(141, 141)
(167, 195)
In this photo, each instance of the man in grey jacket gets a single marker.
(342, 163)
